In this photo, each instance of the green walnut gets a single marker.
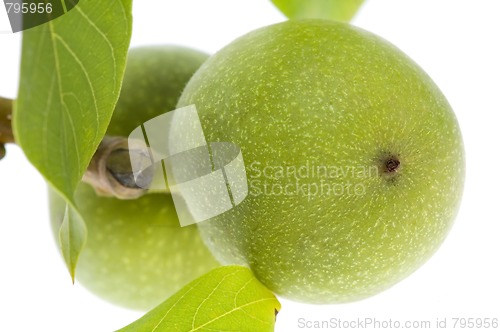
(137, 254)
(154, 79)
(354, 159)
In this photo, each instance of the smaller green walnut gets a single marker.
(154, 79)
(137, 254)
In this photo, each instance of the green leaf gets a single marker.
(229, 298)
(339, 10)
(72, 237)
(71, 73)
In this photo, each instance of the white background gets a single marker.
(456, 42)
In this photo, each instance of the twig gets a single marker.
(6, 134)
(110, 171)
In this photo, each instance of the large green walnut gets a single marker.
(137, 254)
(354, 159)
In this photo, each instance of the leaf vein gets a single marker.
(231, 311)
(53, 37)
(173, 306)
(210, 295)
(106, 39)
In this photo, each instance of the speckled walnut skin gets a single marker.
(321, 93)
